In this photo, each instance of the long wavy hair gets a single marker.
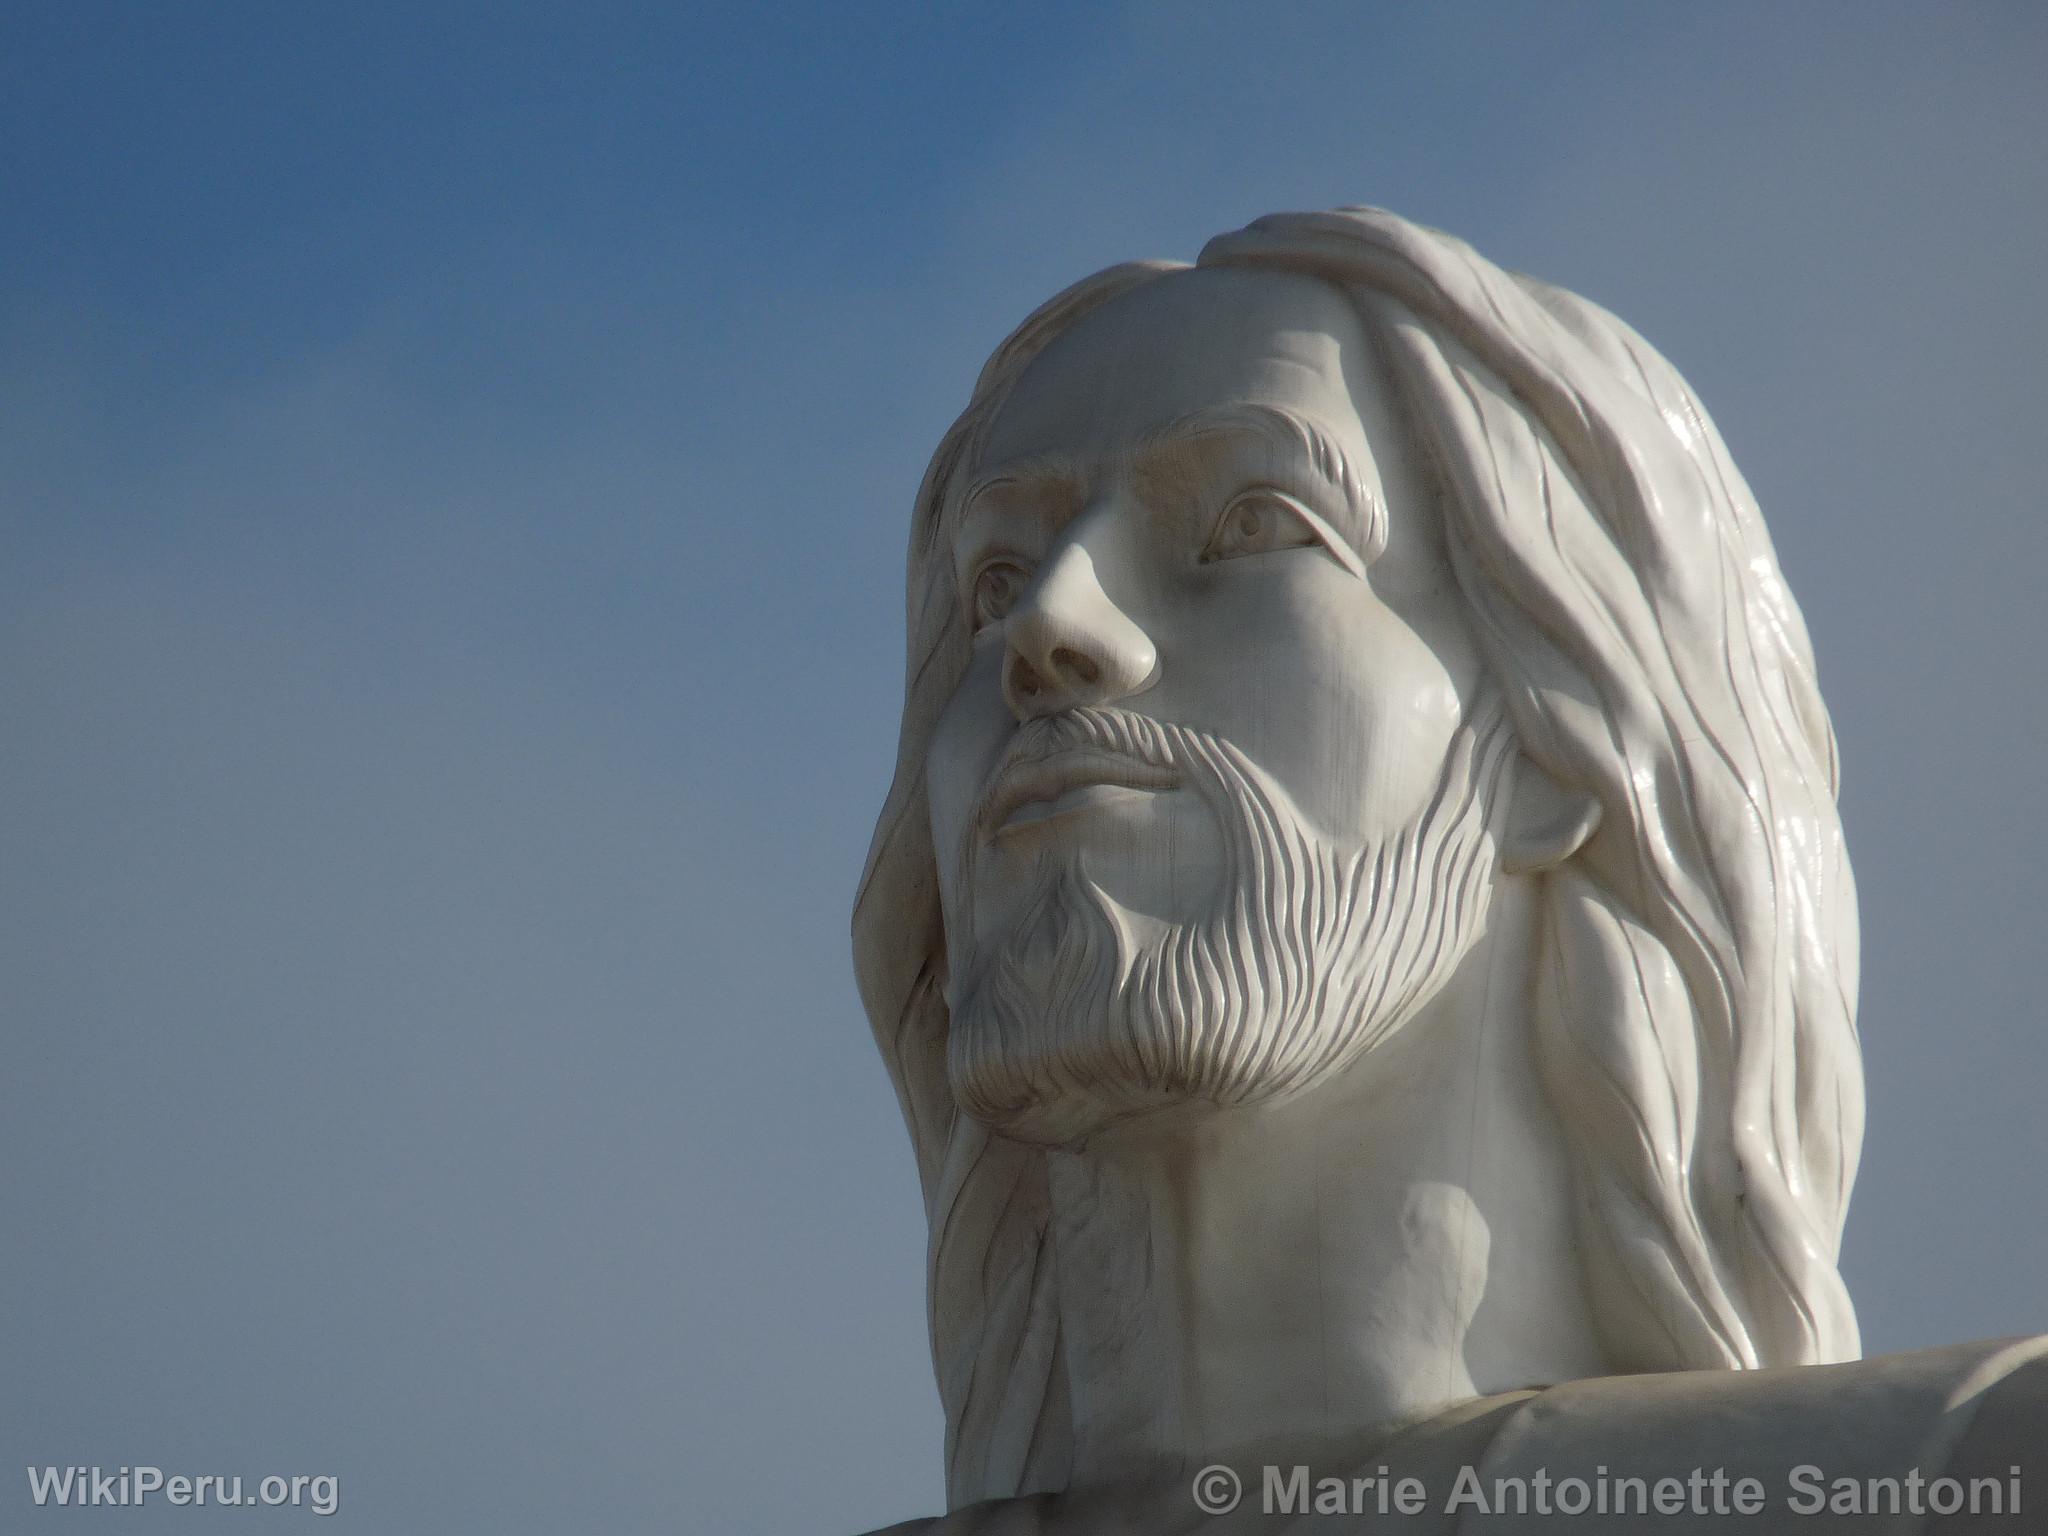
(1695, 994)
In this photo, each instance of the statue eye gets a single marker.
(1257, 522)
(997, 586)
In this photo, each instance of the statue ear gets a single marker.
(1547, 823)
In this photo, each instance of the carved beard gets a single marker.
(1310, 955)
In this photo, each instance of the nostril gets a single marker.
(1076, 665)
(1023, 679)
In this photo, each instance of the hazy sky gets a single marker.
(454, 472)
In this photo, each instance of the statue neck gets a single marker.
(1395, 1239)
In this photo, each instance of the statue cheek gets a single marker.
(965, 744)
(1360, 734)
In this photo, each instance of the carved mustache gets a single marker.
(1055, 753)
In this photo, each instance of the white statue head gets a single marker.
(1253, 607)
(1167, 879)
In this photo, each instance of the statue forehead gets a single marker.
(1189, 341)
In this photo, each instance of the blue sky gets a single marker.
(454, 470)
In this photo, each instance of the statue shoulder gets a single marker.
(1937, 1433)
(1817, 1439)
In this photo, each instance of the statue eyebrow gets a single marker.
(1044, 472)
(1061, 476)
(1288, 432)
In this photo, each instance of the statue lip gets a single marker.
(1033, 790)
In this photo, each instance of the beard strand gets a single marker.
(1309, 954)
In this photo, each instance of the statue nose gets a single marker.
(1070, 644)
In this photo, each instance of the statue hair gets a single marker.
(1695, 995)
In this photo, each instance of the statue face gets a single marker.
(1213, 738)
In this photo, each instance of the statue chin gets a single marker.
(1090, 1013)
(1073, 1029)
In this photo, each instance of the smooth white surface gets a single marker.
(1361, 920)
